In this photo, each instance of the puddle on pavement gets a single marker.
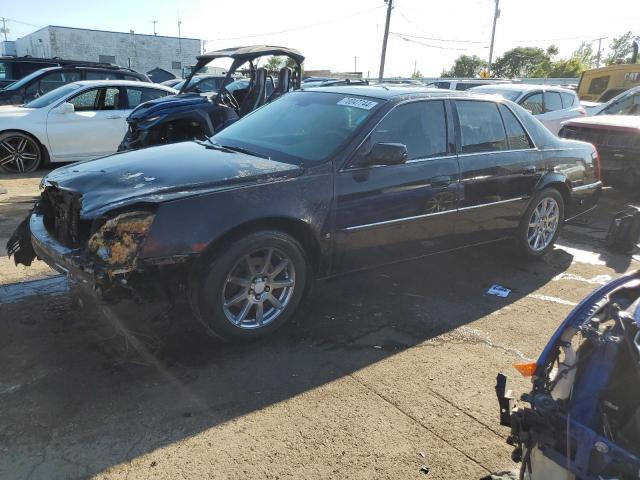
(15, 292)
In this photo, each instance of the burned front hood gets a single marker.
(163, 173)
(169, 104)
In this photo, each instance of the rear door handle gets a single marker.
(440, 182)
(530, 170)
(113, 117)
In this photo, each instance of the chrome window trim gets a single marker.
(417, 217)
(442, 99)
(494, 152)
(505, 103)
(524, 127)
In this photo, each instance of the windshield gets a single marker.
(627, 104)
(23, 81)
(503, 92)
(301, 126)
(53, 96)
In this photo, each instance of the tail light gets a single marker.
(596, 162)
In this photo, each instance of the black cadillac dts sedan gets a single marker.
(317, 183)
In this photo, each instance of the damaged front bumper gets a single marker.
(146, 279)
(71, 262)
(582, 417)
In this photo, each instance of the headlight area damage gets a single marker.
(117, 242)
(102, 253)
(582, 417)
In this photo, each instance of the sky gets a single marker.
(330, 33)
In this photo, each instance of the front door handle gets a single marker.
(113, 117)
(440, 182)
(530, 170)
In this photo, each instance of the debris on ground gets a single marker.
(499, 291)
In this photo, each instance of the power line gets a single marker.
(23, 23)
(303, 27)
(437, 39)
(440, 47)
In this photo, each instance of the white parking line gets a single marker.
(547, 298)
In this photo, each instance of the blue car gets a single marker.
(582, 417)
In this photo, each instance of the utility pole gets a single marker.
(4, 28)
(179, 37)
(599, 51)
(415, 67)
(154, 26)
(355, 64)
(496, 15)
(384, 39)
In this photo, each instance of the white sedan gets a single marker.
(550, 105)
(77, 121)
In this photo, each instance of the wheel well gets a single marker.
(43, 149)
(562, 189)
(296, 228)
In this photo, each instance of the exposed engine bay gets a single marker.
(583, 414)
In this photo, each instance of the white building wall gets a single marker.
(140, 52)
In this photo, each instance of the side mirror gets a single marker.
(387, 154)
(66, 107)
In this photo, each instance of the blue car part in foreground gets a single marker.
(583, 414)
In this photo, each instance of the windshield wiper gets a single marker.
(245, 151)
(227, 148)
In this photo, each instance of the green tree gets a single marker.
(274, 64)
(620, 48)
(585, 54)
(465, 66)
(523, 62)
(566, 68)
(416, 75)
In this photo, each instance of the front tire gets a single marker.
(19, 153)
(253, 286)
(541, 224)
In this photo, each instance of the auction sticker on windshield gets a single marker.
(357, 103)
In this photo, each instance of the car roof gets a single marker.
(387, 92)
(523, 87)
(250, 52)
(122, 83)
(105, 68)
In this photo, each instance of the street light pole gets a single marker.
(496, 14)
(384, 39)
(355, 64)
(154, 27)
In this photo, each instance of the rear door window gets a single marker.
(421, 126)
(111, 99)
(568, 99)
(51, 81)
(516, 136)
(533, 103)
(138, 95)
(481, 127)
(103, 76)
(552, 101)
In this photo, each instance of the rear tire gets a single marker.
(541, 224)
(252, 286)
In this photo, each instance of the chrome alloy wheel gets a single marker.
(543, 224)
(19, 154)
(258, 288)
